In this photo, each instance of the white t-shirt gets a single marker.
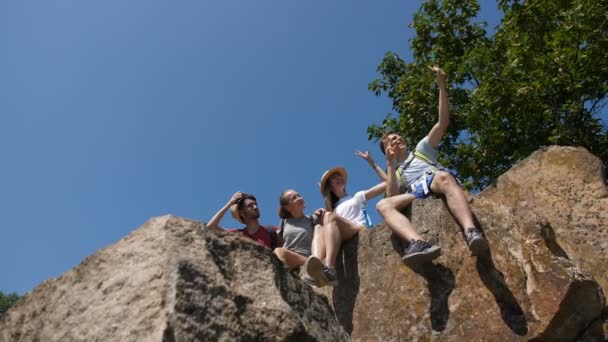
(417, 167)
(351, 208)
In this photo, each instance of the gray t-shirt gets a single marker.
(416, 167)
(298, 233)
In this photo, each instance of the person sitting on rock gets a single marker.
(311, 239)
(244, 208)
(352, 208)
(416, 175)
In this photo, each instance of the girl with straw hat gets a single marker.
(351, 208)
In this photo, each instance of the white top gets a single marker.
(351, 208)
(417, 167)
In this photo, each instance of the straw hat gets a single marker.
(234, 210)
(328, 174)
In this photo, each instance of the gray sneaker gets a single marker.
(419, 252)
(476, 242)
(330, 275)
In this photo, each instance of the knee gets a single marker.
(329, 217)
(383, 206)
(279, 252)
(444, 179)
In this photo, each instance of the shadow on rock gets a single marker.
(440, 282)
(345, 294)
(510, 310)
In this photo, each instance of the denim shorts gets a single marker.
(422, 187)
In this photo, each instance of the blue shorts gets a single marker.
(422, 187)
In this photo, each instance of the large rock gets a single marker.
(547, 222)
(170, 280)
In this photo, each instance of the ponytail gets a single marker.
(283, 213)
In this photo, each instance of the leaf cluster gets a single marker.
(6, 301)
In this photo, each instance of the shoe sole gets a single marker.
(478, 246)
(314, 268)
(427, 255)
(309, 280)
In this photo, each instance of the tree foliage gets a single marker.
(540, 79)
(6, 301)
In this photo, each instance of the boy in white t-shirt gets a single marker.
(417, 174)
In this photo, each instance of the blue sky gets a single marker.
(114, 112)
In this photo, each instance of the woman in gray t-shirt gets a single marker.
(304, 241)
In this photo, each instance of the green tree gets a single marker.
(540, 79)
(6, 301)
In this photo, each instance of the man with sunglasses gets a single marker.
(244, 208)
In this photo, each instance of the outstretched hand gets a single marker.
(439, 74)
(365, 155)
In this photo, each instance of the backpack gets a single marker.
(273, 236)
(400, 170)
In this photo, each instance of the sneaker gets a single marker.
(314, 271)
(420, 252)
(476, 241)
(330, 275)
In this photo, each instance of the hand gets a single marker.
(440, 74)
(365, 155)
(320, 212)
(235, 198)
(391, 155)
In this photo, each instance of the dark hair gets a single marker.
(241, 202)
(284, 213)
(330, 199)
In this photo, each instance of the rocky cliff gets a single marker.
(171, 280)
(544, 278)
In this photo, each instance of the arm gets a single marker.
(375, 191)
(438, 131)
(392, 186)
(215, 220)
(368, 157)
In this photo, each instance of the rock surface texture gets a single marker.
(547, 223)
(544, 278)
(169, 281)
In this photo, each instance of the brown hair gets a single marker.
(241, 202)
(330, 199)
(284, 213)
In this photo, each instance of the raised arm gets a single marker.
(215, 220)
(440, 128)
(375, 191)
(392, 186)
(368, 157)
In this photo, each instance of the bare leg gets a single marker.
(390, 209)
(337, 230)
(445, 184)
(289, 258)
(318, 242)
